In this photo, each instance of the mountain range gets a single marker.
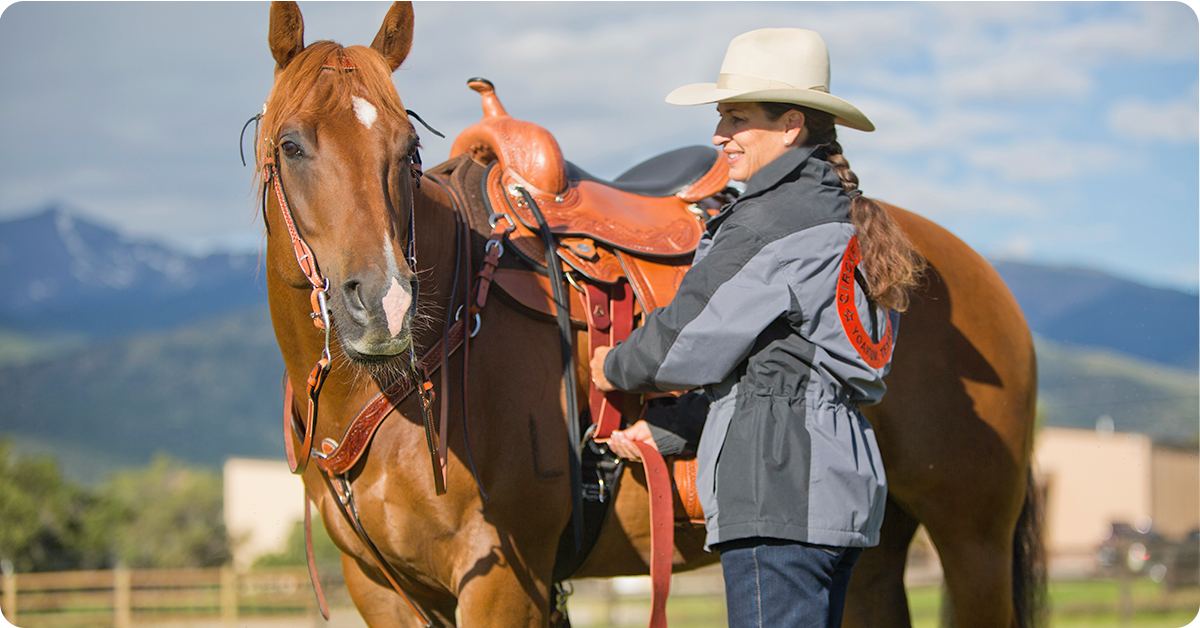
(68, 274)
(112, 349)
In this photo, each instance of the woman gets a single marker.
(773, 323)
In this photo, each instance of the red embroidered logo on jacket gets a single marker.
(876, 354)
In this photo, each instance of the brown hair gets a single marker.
(890, 265)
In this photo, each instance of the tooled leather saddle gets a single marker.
(623, 246)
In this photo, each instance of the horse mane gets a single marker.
(364, 73)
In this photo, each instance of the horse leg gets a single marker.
(500, 598)
(877, 597)
(381, 606)
(976, 550)
(978, 579)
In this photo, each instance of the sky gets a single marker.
(1062, 134)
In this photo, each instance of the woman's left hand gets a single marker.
(622, 441)
(597, 365)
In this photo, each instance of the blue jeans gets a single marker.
(773, 583)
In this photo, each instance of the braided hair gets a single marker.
(889, 264)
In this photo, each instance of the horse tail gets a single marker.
(1029, 561)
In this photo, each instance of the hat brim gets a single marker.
(844, 113)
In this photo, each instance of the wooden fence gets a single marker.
(124, 597)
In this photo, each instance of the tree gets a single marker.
(41, 516)
(166, 515)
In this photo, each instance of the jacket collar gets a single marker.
(765, 179)
(773, 173)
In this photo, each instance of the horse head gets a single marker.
(337, 154)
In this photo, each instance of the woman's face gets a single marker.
(751, 139)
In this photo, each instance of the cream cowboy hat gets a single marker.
(775, 65)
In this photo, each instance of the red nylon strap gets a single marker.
(610, 320)
(662, 532)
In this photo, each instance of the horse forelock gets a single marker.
(365, 76)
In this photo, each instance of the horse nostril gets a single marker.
(353, 296)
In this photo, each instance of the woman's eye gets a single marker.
(290, 148)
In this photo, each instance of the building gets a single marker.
(263, 502)
(1093, 478)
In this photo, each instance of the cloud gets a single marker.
(943, 198)
(1016, 78)
(1050, 159)
(1181, 276)
(1174, 122)
(1160, 31)
(1017, 248)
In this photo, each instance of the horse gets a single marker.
(369, 262)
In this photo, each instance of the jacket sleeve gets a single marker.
(724, 302)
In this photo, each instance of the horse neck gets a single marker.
(437, 244)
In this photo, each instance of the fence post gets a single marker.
(9, 605)
(229, 595)
(122, 597)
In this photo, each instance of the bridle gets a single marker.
(318, 298)
(336, 459)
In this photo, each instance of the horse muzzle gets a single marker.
(377, 321)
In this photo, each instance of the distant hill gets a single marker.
(112, 349)
(1078, 386)
(63, 273)
(1089, 308)
(201, 392)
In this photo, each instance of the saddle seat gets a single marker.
(641, 227)
(667, 174)
(652, 210)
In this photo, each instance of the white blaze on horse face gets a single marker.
(395, 306)
(398, 299)
(365, 111)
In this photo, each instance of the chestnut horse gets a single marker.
(374, 251)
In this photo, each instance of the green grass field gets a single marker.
(1073, 604)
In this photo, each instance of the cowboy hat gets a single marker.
(789, 65)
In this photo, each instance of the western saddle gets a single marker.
(622, 245)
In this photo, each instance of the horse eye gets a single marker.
(290, 148)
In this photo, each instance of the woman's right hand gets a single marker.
(597, 366)
(622, 441)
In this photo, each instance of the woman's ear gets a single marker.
(794, 130)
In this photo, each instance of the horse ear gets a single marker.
(395, 36)
(286, 36)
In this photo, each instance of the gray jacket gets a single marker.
(784, 452)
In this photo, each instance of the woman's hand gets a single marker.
(622, 441)
(597, 365)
